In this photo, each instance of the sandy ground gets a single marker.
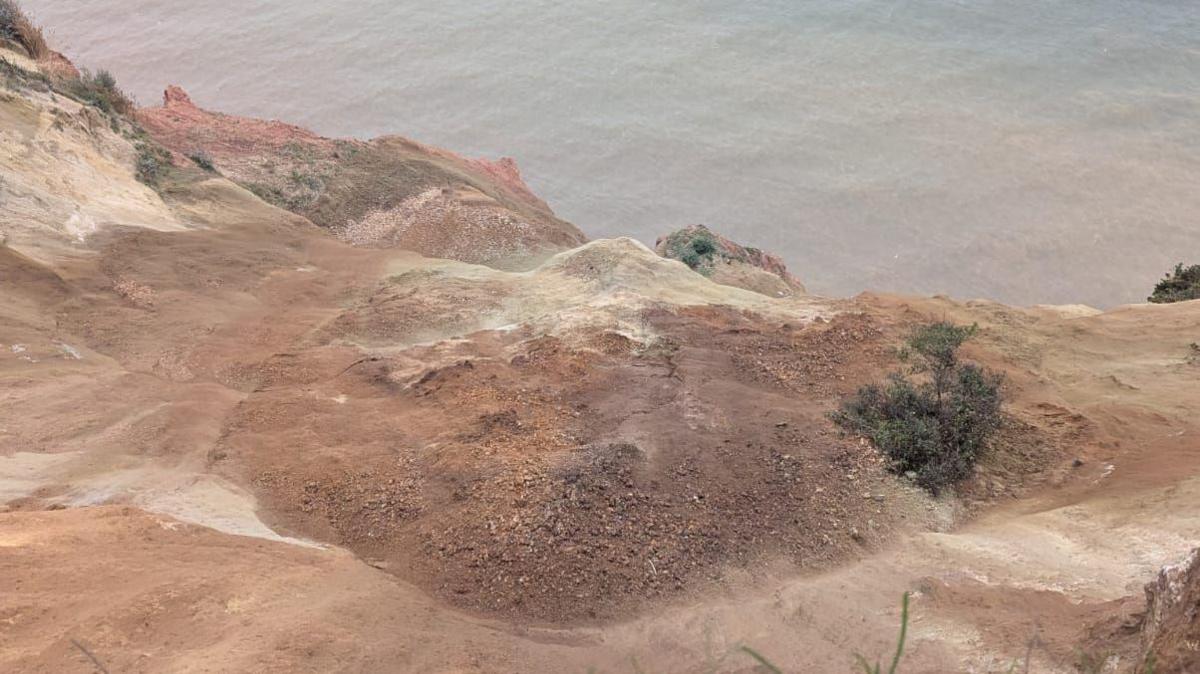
(148, 593)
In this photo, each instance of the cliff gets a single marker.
(390, 192)
(276, 402)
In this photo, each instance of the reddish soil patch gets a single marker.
(533, 478)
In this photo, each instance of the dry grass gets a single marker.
(15, 26)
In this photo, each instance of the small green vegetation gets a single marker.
(933, 428)
(865, 666)
(100, 90)
(267, 193)
(203, 160)
(294, 200)
(694, 246)
(704, 245)
(1177, 286)
(306, 181)
(1084, 662)
(151, 164)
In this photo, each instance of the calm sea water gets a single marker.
(1023, 150)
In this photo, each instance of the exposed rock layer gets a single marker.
(389, 192)
(1171, 629)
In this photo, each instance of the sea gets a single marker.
(1026, 151)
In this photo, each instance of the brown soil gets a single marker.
(546, 480)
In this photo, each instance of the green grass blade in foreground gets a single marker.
(903, 635)
(895, 666)
(866, 666)
(761, 660)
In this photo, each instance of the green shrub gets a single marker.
(306, 181)
(694, 246)
(101, 90)
(893, 667)
(704, 245)
(699, 251)
(151, 164)
(203, 160)
(271, 195)
(1180, 285)
(937, 427)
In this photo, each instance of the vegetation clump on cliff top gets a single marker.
(933, 430)
(100, 89)
(1179, 285)
(16, 27)
(97, 89)
(695, 246)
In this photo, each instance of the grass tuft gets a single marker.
(761, 660)
(892, 669)
(16, 27)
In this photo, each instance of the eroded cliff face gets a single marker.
(387, 192)
(240, 437)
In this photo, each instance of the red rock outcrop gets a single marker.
(389, 192)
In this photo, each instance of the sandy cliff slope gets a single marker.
(235, 440)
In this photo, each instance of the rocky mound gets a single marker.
(1170, 631)
(569, 443)
(388, 192)
(729, 263)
